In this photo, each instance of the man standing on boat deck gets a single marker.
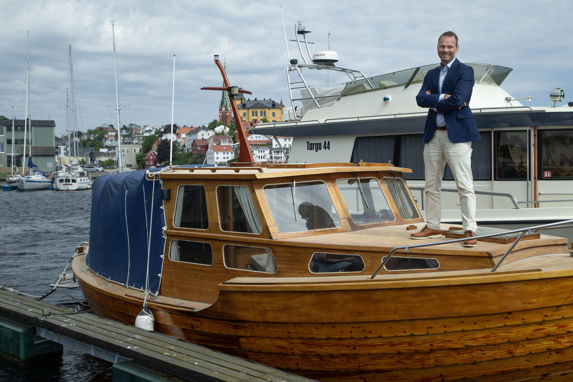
(448, 135)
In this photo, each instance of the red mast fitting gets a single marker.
(245, 155)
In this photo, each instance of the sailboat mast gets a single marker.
(172, 113)
(74, 119)
(119, 153)
(26, 120)
(12, 145)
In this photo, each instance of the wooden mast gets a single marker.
(245, 155)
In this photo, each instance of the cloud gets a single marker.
(375, 37)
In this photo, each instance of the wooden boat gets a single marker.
(310, 268)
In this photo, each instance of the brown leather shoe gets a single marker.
(471, 242)
(426, 233)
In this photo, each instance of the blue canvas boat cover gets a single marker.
(121, 217)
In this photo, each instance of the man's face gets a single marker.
(447, 49)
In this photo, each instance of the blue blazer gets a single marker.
(460, 121)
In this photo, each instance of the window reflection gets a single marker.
(301, 206)
(556, 154)
(249, 258)
(402, 198)
(365, 200)
(511, 155)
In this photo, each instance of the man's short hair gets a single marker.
(449, 34)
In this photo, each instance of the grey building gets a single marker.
(41, 139)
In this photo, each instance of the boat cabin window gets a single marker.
(322, 262)
(406, 150)
(365, 200)
(301, 206)
(249, 258)
(510, 155)
(399, 263)
(195, 252)
(191, 207)
(556, 153)
(237, 211)
(402, 198)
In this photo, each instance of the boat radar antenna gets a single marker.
(321, 60)
(245, 155)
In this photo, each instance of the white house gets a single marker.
(219, 154)
(261, 153)
(280, 149)
(198, 133)
(148, 130)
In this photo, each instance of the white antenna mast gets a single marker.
(285, 33)
(172, 112)
(119, 153)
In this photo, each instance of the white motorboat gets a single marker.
(522, 166)
(72, 178)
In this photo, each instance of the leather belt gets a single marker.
(441, 128)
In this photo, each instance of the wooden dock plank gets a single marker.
(158, 351)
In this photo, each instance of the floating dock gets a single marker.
(29, 327)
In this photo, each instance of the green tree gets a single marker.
(146, 146)
(95, 138)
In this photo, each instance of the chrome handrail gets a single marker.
(509, 195)
(523, 231)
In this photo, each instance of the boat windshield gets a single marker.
(301, 206)
(483, 73)
(365, 200)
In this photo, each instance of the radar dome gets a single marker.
(325, 57)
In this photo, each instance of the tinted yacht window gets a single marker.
(556, 154)
(511, 155)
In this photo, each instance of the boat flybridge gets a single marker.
(522, 166)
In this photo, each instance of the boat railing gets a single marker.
(521, 231)
(508, 195)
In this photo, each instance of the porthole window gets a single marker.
(322, 262)
(400, 263)
(191, 252)
(255, 259)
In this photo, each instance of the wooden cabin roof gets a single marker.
(277, 170)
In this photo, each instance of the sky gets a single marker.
(534, 37)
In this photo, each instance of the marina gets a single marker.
(304, 269)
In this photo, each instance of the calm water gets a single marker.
(39, 231)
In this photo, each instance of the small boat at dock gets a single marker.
(310, 268)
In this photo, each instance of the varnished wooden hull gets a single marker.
(504, 326)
